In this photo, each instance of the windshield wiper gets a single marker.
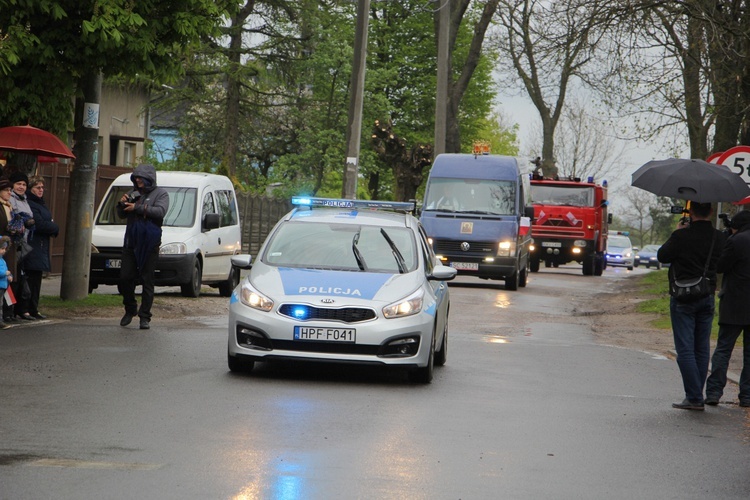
(396, 254)
(357, 253)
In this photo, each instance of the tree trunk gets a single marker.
(74, 284)
(457, 89)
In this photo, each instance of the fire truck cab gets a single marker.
(570, 223)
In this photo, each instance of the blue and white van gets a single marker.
(477, 213)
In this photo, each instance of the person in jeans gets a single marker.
(144, 208)
(687, 250)
(734, 313)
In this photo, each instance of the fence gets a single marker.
(258, 214)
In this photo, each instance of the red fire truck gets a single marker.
(570, 223)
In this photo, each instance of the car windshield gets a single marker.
(471, 196)
(181, 212)
(572, 196)
(618, 242)
(344, 247)
(650, 248)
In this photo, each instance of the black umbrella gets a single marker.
(694, 180)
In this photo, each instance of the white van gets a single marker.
(201, 232)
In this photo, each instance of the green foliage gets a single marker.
(656, 283)
(43, 41)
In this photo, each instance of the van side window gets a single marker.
(208, 205)
(227, 207)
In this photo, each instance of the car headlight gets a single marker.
(253, 298)
(173, 249)
(406, 307)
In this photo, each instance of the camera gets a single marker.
(677, 209)
(132, 198)
(726, 220)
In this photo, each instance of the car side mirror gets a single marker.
(609, 218)
(242, 261)
(442, 273)
(528, 211)
(211, 221)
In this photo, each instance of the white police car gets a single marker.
(620, 250)
(343, 281)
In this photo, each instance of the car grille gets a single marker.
(454, 246)
(305, 312)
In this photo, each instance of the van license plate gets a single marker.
(552, 244)
(465, 266)
(113, 263)
(323, 334)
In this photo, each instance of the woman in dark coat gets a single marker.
(38, 261)
(10, 255)
(734, 314)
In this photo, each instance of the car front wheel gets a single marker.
(423, 375)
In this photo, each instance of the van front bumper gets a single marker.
(171, 270)
(499, 268)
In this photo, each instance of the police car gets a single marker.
(343, 281)
(620, 250)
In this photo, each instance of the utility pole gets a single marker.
(356, 96)
(443, 65)
(77, 257)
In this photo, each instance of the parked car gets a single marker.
(201, 232)
(647, 257)
(351, 281)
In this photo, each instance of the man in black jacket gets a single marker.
(144, 208)
(693, 247)
(734, 313)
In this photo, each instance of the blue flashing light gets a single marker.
(591, 179)
(604, 183)
(299, 312)
(301, 200)
(309, 201)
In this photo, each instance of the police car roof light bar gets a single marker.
(310, 201)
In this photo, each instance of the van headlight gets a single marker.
(506, 248)
(406, 307)
(253, 298)
(173, 249)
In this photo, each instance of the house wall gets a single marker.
(123, 124)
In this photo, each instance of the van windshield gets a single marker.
(181, 212)
(471, 196)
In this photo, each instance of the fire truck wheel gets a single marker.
(534, 266)
(598, 266)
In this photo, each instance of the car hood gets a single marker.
(284, 283)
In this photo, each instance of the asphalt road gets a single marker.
(528, 406)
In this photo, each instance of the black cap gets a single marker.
(18, 177)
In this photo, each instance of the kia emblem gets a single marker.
(327, 301)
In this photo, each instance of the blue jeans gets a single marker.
(728, 335)
(691, 326)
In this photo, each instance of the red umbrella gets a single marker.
(31, 140)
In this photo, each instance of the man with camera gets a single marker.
(693, 251)
(144, 208)
(734, 313)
